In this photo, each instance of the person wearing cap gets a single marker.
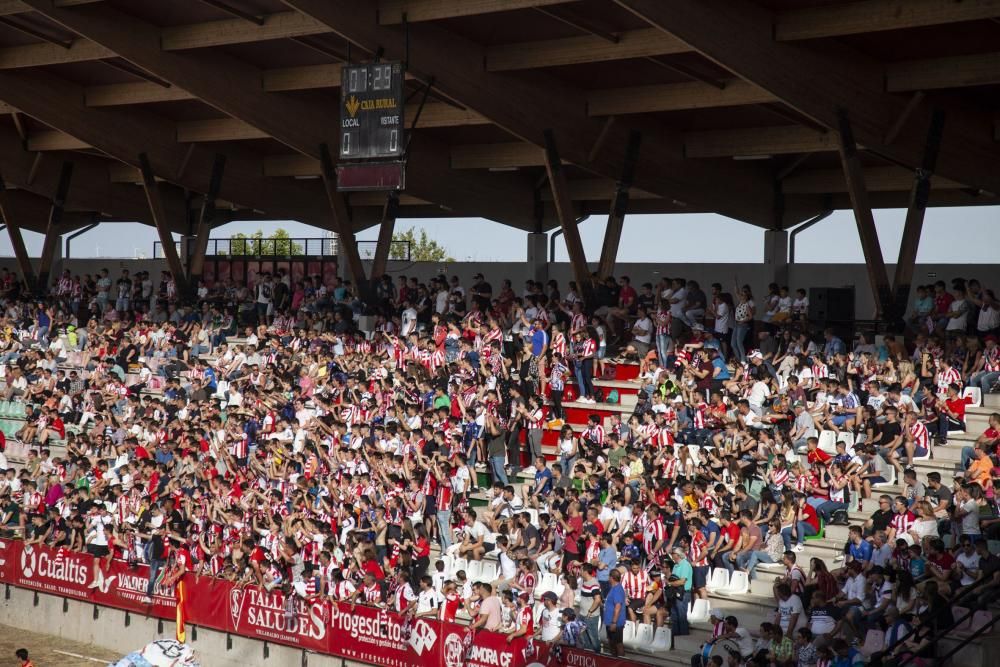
(573, 629)
(550, 620)
(681, 577)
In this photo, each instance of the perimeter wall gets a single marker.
(756, 275)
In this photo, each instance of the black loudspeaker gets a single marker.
(831, 304)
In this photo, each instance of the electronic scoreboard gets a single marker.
(371, 112)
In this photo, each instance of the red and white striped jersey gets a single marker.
(698, 550)
(595, 434)
(653, 532)
(670, 468)
(578, 322)
(779, 477)
(947, 377)
(992, 359)
(636, 585)
(588, 348)
(559, 343)
(902, 522)
(536, 419)
(921, 438)
(372, 594)
(662, 322)
(707, 502)
(699, 416)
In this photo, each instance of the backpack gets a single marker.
(612, 396)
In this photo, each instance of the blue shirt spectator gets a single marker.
(616, 596)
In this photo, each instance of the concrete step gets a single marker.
(992, 401)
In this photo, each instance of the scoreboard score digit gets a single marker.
(371, 111)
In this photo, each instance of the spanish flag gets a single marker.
(181, 595)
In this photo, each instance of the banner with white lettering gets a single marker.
(361, 634)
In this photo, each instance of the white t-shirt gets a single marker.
(968, 563)
(409, 322)
(647, 325)
(723, 318)
(786, 608)
(758, 393)
(551, 624)
(428, 600)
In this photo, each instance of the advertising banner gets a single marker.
(362, 634)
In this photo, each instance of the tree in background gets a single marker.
(422, 249)
(279, 243)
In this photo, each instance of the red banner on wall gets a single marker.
(362, 634)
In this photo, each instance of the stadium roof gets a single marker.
(736, 101)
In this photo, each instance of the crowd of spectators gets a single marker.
(254, 433)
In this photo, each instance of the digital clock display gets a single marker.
(371, 111)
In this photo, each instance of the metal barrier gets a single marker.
(289, 247)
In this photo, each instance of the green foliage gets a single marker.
(422, 249)
(277, 244)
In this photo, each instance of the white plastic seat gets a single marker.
(447, 560)
(643, 635)
(537, 612)
(546, 583)
(699, 611)
(828, 442)
(980, 619)
(890, 482)
(488, 571)
(957, 613)
(874, 641)
(847, 438)
(629, 634)
(660, 643)
(458, 564)
(718, 580)
(739, 583)
(475, 571)
(976, 394)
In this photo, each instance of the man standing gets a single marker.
(614, 615)
(681, 578)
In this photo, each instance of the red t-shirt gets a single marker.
(575, 524)
(627, 295)
(958, 405)
(732, 531)
(942, 303)
(808, 514)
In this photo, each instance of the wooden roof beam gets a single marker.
(877, 179)
(737, 35)
(981, 69)
(525, 106)
(674, 97)
(392, 11)
(59, 104)
(753, 141)
(641, 43)
(866, 16)
(233, 87)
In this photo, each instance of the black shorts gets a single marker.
(98, 550)
(699, 576)
(636, 605)
(616, 636)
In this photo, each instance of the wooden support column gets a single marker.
(619, 206)
(16, 239)
(385, 231)
(196, 267)
(915, 218)
(346, 241)
(854, 175)
(52, 235)
(157, 210)
(567, 218)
